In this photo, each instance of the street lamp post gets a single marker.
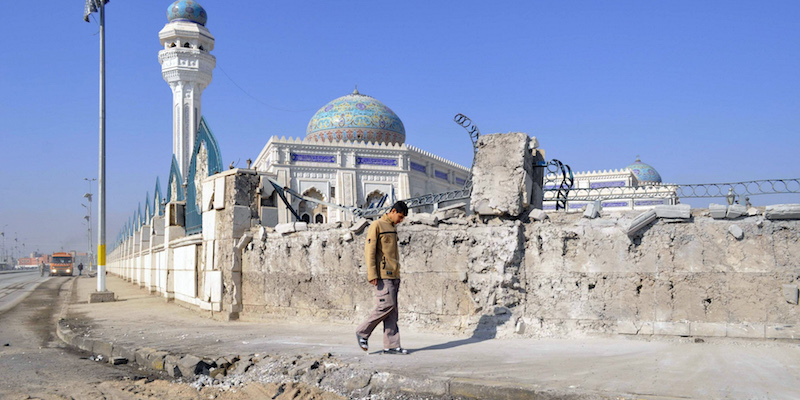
(88, 219)
(91, 244)
(102, 294)
(4, 244)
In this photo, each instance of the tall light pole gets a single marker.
(91, 244)
(4, 244)
(88, 219)
(102, 294)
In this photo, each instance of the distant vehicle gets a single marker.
(61, 264)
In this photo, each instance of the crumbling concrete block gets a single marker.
(752, 211)
(219, 193)
(347, 237)
(641, 221)
(454, 211)
(735, 211)
(783, 211)
(502, 175)
(736, 232)
(291, 227)
(683, 211)
(790, 293)
(718, 211)
(592, 210)
(538, 215)
(171, 366)
(156, 360)
(359, 225)
(422, 218)
(241, 220)
(191, 365)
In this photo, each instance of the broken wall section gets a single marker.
(457, 275)
(690, 278)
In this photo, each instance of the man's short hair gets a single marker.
(400, 207)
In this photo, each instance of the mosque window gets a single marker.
(187, 45)
(201, 48)
(172, 44)
(306, 218)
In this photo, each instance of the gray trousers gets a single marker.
(385, 311)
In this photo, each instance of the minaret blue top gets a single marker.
(187, 10)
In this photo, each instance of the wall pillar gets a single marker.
(175, 229)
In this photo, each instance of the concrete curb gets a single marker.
(190, 366)
(360, 381)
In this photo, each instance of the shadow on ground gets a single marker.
(486, 329)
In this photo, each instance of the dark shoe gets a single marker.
(398, 350)
(362, 343)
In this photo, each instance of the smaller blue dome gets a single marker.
(187, 10)
(643, 172)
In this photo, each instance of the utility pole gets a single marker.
(101, 295)
(91, 244)
(4, 261)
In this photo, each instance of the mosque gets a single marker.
(637, 186)
(354, 153)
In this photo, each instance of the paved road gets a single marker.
(33, 360)
(36, 364)
(14, 286)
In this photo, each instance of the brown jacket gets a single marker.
(380, 250)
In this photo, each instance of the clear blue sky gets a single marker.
(705, 91)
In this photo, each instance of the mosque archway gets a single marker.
(311, 208)
(374, 198)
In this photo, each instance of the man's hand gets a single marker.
(373, 282)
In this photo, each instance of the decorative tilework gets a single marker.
(440, 174)
(615, 204)
(313, 158)
(356, 117)
(391, 162)
(460, 181)
(549, 207)
(418, 167)
(187, 10)
(597, 185)
(573, 205)
(649, 202)
(644, 172)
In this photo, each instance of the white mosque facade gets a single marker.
(635, 187)
(354, 155)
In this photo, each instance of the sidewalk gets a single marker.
(590, 368)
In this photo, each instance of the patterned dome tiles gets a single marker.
(356, 117)
(187, 10)
(644, 172)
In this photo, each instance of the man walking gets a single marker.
(383, 272)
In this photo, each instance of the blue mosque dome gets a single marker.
(644, 172)
(187, 10)
(355, 118)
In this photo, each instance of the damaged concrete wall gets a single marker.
(451, 273)
(565, 276)
(493, 273)
(688, 278)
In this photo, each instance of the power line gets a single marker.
(258, 100)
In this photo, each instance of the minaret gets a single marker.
(186, 65)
